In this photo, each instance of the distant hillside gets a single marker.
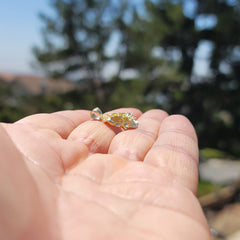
(35, 85)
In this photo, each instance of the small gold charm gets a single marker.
(122, 120)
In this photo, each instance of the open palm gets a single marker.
(66, 177)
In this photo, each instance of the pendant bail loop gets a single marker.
(96, 114)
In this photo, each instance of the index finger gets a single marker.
(62, 122)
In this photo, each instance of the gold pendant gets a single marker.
(122, 120)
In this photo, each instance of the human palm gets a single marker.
(66, 177)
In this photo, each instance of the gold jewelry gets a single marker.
(122, 120)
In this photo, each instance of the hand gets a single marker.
(66, 177)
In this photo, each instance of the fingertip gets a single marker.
(179, 123)
(156, 114)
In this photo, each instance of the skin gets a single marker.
(66, 177)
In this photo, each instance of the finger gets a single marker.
(97, 135)
(134, 144)
(176, 150)
(62, 122)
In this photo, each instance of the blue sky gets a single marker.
(20, 30)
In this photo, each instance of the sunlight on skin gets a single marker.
(67, 177)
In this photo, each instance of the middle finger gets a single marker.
(134, 144)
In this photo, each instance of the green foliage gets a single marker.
(207, 153)
(10, 113)
(206, 188)
(128, 93)
(111, 95)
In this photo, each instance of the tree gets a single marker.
(75, 38)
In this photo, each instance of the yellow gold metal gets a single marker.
(122, 120)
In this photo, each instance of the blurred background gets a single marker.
(180, 56)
